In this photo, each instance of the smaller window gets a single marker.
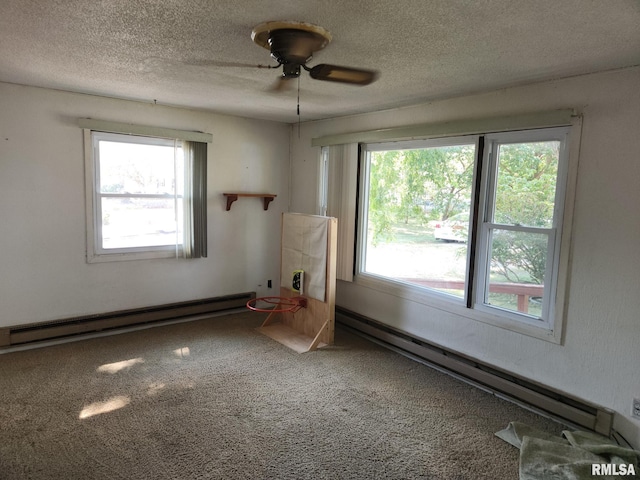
(136, 193)
(521, 227)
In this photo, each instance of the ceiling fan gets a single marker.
(292, 45)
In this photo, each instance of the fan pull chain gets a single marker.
(298, 107)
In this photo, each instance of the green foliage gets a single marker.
(525, 195)
(383, 190)
(448, 174)
(419, 185)
(525, 192)
(435, 184)
(519, 257)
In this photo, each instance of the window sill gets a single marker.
(131, 256)
(455, 305)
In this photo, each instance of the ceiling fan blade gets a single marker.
(336, 73)
(213, 63)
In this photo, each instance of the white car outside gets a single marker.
(454, 229)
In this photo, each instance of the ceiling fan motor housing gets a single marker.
(293, 46)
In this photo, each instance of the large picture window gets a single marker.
(418, 209)
(474, 221)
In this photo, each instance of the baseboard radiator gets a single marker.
(537, 397)
(35, 332)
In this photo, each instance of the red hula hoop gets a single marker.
(281, 304)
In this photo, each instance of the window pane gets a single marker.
(518, 264)
(138, 222)
(526, 183)
(137, 168)
(418, 215)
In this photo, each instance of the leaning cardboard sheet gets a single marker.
(574, 456)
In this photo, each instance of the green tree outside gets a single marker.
(420, 185)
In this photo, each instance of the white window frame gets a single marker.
(403, 289)
(95, 252)
(551, 327)
(487, 226)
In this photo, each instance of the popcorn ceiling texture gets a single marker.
(178, 52)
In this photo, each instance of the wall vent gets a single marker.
(569, 410)
(35, 332)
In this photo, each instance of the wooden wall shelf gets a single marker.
(266, 197)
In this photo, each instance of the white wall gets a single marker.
(42, 209)
(599, 360)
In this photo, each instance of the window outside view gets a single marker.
(522, 219)
(138, 199)
(418, 215)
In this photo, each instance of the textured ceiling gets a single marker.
(179, 52)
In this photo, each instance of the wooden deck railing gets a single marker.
(522, 290)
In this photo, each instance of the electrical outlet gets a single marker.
(635, 409)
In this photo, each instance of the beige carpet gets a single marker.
(214, 399)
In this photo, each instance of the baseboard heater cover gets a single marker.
(35, 332)
(573, 411)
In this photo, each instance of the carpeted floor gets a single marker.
(214, 399)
